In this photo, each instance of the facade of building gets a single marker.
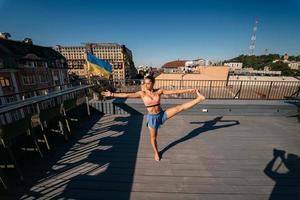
(250, 71)
(234, 65)
(205, 74)
(294, 65)
(175, 66)
(119, 56)
(197, 62)
(142, 70)
(76, 58)
(184, 66)
(261, 78)
(26, 67)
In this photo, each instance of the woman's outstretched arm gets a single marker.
(121, 95)
(177, 91)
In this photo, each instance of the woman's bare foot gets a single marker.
(157, 157)
(199, 95)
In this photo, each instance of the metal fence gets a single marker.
(14, 97)
(231, 89)
(14, 111)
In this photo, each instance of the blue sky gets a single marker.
(159, 31)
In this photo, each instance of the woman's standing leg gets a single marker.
(153, 140)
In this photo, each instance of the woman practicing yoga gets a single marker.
(156, 115)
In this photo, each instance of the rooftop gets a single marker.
(19, 50)
(203, 157)
(174, 64)
(263, 78)
(205, 73)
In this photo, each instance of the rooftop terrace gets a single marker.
(203, 157)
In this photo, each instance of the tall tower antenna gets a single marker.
(253, 38)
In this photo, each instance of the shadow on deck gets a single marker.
(100, 156)
(204, 157)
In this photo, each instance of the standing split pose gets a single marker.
(156, 116)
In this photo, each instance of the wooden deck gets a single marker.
(203, 157)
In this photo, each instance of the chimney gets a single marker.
(4, 35)
(286, 57)
(28, 41)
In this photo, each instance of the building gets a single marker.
(4, 35)
(294, 65)
(76, 58)
(25, 66)
(184, 66)
(175, 66)
(204, 74)
(286, 58)
(262, 78)
(118, 55)
(197, 62)
(234, 65)
(143, 69)
(250, 71)
(206, 77)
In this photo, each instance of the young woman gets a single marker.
(156, 116)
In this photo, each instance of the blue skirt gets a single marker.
(155, 120)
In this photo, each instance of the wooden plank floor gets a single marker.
(203, 157)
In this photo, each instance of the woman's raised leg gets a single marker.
(179, 108)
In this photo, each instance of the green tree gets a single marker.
(259, 62)
(283, 67)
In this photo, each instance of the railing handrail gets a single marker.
(222, 89)
(223, 80)
(264, 81)
(228, 82)
(16, 105)
(34, 90)
(203, 80)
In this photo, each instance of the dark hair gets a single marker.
(151, 78)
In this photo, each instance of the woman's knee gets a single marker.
(153, 136)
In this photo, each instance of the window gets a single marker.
(4, 81)
(28, 80)
(43, 78)
(1, 63)
(29, 64)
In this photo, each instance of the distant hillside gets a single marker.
(259, 62)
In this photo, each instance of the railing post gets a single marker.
(114, 108)
(1, 100)
(38, 108)
(297, 93)
(18, 97)
(87, 103)
(269, 90)
(240, 90)
(209, 89)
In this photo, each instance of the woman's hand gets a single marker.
(107, 93)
